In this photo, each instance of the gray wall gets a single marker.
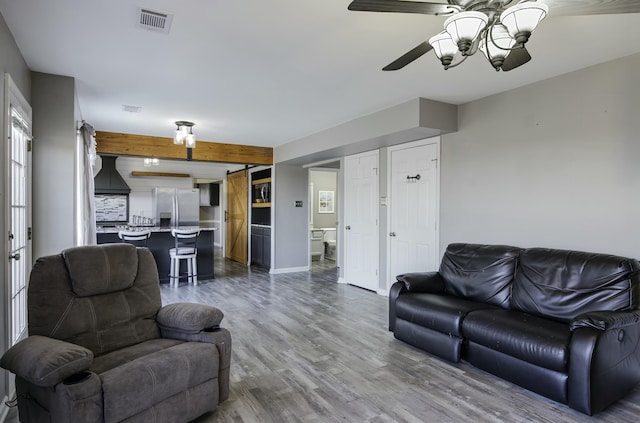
(324, 181)
(553, 164)
(11, 62)
(291, 224)
(54, 129)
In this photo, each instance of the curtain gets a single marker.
(88, 207)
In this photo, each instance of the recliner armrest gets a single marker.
(46, 361)
(606, 320)
(189, 318)
(422, 282)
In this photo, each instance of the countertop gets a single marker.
(116, 229)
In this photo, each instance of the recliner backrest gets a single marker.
(562, 284)
(479, 272)
(102, 297)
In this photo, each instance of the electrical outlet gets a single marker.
(383, 201)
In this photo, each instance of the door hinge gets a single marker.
(29, 233)
(29, 145)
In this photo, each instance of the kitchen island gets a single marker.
(161, 241)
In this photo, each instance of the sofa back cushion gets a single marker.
(60, 307)
(480, 272)
(95, 271)
(562, 284)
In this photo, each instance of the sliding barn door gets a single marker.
(237, 216)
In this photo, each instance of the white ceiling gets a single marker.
(267, 72)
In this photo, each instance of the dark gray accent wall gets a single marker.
(552, 164)
(11, 62)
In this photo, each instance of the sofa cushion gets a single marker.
(440, 312)
(102, 323)
(124, 355)
(535, 340)
(100, 269)
(562, 284)
(159, 375)
(479, 272)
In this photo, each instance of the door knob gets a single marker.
(347, 227)
(15, 256)
(392, 234)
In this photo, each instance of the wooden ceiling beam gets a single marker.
(119, 144)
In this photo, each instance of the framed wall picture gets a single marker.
(325, 202)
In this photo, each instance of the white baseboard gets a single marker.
(4, 410)
(289, 270)
(342, 280)
(383, 292)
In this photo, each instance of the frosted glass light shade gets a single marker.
(464, 28)
(498, 43)
(443, 45)
(178, 138)
(523, 17)
(191, 140)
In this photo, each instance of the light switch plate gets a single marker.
(383, 201)
(298, 203)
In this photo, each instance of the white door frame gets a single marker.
(434, 140)
(12, 96)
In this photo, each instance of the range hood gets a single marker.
(108, 180)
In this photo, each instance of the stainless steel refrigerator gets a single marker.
(173, 207)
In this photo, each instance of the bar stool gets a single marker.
(137, 238)
(185, 249)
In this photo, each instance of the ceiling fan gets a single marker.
(498, 28)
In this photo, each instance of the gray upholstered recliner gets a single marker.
(103, 349)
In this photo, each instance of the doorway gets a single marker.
(324, 217)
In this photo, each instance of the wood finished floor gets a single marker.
(307, 349)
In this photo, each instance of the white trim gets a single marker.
(320, 163)
(289, 270)
(4, 409)
(383, 292)
(342, 280)
(419, 143)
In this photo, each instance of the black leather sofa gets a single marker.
(564, 324)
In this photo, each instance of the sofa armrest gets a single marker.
(422, 282)
(46, 362)
(604, 361)
(189, 317)
(606, 320)
(221, 338)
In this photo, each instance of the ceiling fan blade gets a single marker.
(517, 57)
(401, 6)
(591, 7)
(408, 57)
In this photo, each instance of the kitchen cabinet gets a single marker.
(261, 246)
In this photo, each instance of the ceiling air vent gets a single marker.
(154, 21)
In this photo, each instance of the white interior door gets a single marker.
(413, 210)
(361, 220)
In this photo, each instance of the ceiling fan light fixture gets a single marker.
(443, 47)
(521, 19)
(496, 44)
(464, 28)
